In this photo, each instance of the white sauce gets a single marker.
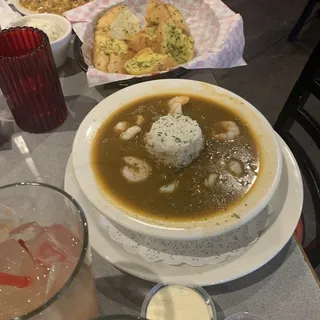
(53, 31)
(176, 302)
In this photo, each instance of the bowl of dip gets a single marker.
(57, 28)
(170, 301)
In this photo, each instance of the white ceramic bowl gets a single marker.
(60, 46)
(255, 200)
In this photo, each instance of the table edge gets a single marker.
(306, 259)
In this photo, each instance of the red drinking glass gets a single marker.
(29, 80)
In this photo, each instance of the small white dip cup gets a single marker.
(60, 46)
(169, 301)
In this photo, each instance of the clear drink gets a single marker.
(45, 265)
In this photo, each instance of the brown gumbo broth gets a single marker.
(192, 199)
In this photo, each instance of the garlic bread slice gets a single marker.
(177, 18)
(116, 63)
(175, 43)
(119, 23)
(105, 21)
(151, 31)
(105, 48)
(157, 11)
(146, 38)
(147, 61)
(108, 45)
(167, 63)
(100, 59)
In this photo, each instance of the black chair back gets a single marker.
(294, 111)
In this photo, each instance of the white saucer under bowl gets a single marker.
(287, 205)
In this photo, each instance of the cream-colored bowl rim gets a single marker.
(246, 209)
